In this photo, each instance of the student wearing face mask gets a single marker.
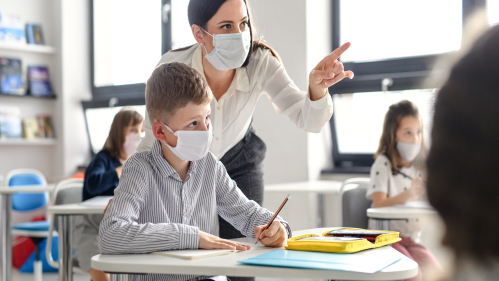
(101, 178)
(239, 68)
(397, 177)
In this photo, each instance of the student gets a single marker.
(101, 178)
(463, 161)
(169, 197)
(396, 177)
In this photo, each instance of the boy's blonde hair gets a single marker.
(172, 86)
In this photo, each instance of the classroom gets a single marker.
(248, 140)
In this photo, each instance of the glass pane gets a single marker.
(99, 122)
(359, 117)
(127, 40)
(385, 29)
(181, 30)
(493, 11)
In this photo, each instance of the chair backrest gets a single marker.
(354, 204)
(66, 192)
(27, 201)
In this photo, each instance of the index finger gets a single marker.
(336, 53)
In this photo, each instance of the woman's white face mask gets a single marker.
(230, 50)
(191, 145)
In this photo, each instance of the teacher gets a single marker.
(239, 69)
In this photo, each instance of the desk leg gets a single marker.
(321, 210)
(6, 238)
(121, 277)
(65, 248)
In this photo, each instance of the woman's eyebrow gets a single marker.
(229, 21)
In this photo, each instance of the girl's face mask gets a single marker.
(408, 150)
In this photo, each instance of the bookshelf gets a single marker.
(29, 48)
(27, 142)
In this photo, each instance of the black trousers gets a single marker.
(244, 164)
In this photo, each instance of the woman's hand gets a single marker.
(327, 73)
(210, 242)
(274, 236)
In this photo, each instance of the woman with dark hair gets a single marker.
(239, 69)
(463, 160)
(101, 178)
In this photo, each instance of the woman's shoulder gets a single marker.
(105, 155)
(183, 55)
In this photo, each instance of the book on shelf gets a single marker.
(39, 81)
(11, 77)
(30, 128)
(45, 126)
(34, 34)
(12, 29)
(10, 122)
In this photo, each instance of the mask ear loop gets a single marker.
(168, 128)
(202, 43)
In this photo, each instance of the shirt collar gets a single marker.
(241, 78)
(164, 167)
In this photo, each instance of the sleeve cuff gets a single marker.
(188, 237)
(288, 229)
(320, 103)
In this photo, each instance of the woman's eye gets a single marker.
(244, 25)
(226, 26)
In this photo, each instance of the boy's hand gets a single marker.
(210, 242)
(275, 236)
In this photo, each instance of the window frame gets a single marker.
(406, 74)
(129, 91)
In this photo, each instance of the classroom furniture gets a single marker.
(65, 212)
(322, 188)
(7, 193)
(66, 192)
(354, 203)
(384, 215)
(123, 266)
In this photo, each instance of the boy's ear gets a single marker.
(157, 130)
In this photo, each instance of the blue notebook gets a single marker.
(369, 261)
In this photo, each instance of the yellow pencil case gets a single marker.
(343, 240)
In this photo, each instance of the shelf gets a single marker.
(30, 48)
(28, 96)
(28, 142)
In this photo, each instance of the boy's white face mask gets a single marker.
(408, 150)
(191, 145)
(132, 141)
(230, 50)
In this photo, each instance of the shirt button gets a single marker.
(216, 138)
(218, 107)
(185, 214)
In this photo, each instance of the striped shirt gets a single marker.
(154, 210)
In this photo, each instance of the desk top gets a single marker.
(329, 187)
(75, 209)
(228, 265)
(26, 189)
(399, 213)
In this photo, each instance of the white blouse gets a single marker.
(383, 180)
(231, 114)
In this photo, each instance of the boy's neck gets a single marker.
(180, 166)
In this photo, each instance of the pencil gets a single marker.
(275, 215)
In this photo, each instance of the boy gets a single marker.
(168, 198)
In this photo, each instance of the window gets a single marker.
(394, 47)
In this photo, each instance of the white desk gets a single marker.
(123, 265)
(383, 215)
(6, 193)
(320, 187)
(64, 213)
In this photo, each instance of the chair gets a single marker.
(67, 191)
(23, 202)
(354, 204)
